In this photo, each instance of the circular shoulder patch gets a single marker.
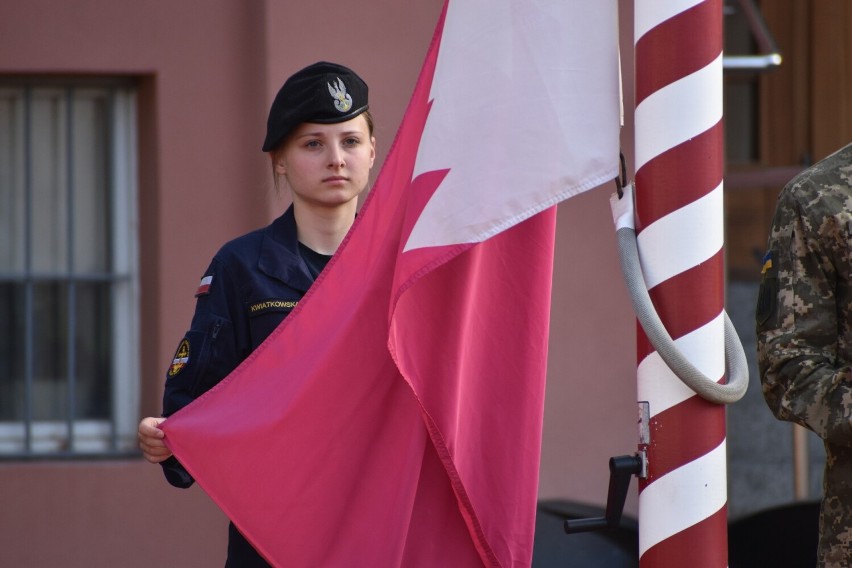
(181, 358)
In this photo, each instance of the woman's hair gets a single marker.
(275, 152)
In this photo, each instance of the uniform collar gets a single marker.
(279, 253)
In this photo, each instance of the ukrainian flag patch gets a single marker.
(767, 262)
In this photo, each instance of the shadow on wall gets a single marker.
(781, 537)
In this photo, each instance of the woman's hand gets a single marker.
(151, 440)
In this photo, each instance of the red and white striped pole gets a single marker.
(679, 222)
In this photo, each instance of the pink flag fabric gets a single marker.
(394, 418)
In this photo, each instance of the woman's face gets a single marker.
(327, 165)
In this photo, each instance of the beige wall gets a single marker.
(590, 406)
(207, 70)
(104, 515)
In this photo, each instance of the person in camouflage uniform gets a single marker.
(804, 331)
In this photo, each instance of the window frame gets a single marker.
(74, 437)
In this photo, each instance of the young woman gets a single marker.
(321, 145)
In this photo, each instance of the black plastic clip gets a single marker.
(621, 181)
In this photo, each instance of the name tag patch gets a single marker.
(266, 306)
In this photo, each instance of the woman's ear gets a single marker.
(278, 165)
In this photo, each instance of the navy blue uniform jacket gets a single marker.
(250, 286)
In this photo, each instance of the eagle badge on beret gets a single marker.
(342, 99)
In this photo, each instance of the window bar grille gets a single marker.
(72, 285)
(110, 177)
(29, 324)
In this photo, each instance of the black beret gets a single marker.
(322, 92)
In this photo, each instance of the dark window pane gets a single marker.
(12, 351)
(50, 351)
(94, 351)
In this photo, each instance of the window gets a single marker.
(68, 268)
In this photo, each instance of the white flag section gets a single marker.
(394, 417)
(520, 76)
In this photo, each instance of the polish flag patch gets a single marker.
(204, 286)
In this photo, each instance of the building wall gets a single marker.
(207, 70)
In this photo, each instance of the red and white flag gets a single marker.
(394, 418)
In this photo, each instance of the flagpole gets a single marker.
(679, 222)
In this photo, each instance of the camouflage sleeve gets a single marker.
(804, 377)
